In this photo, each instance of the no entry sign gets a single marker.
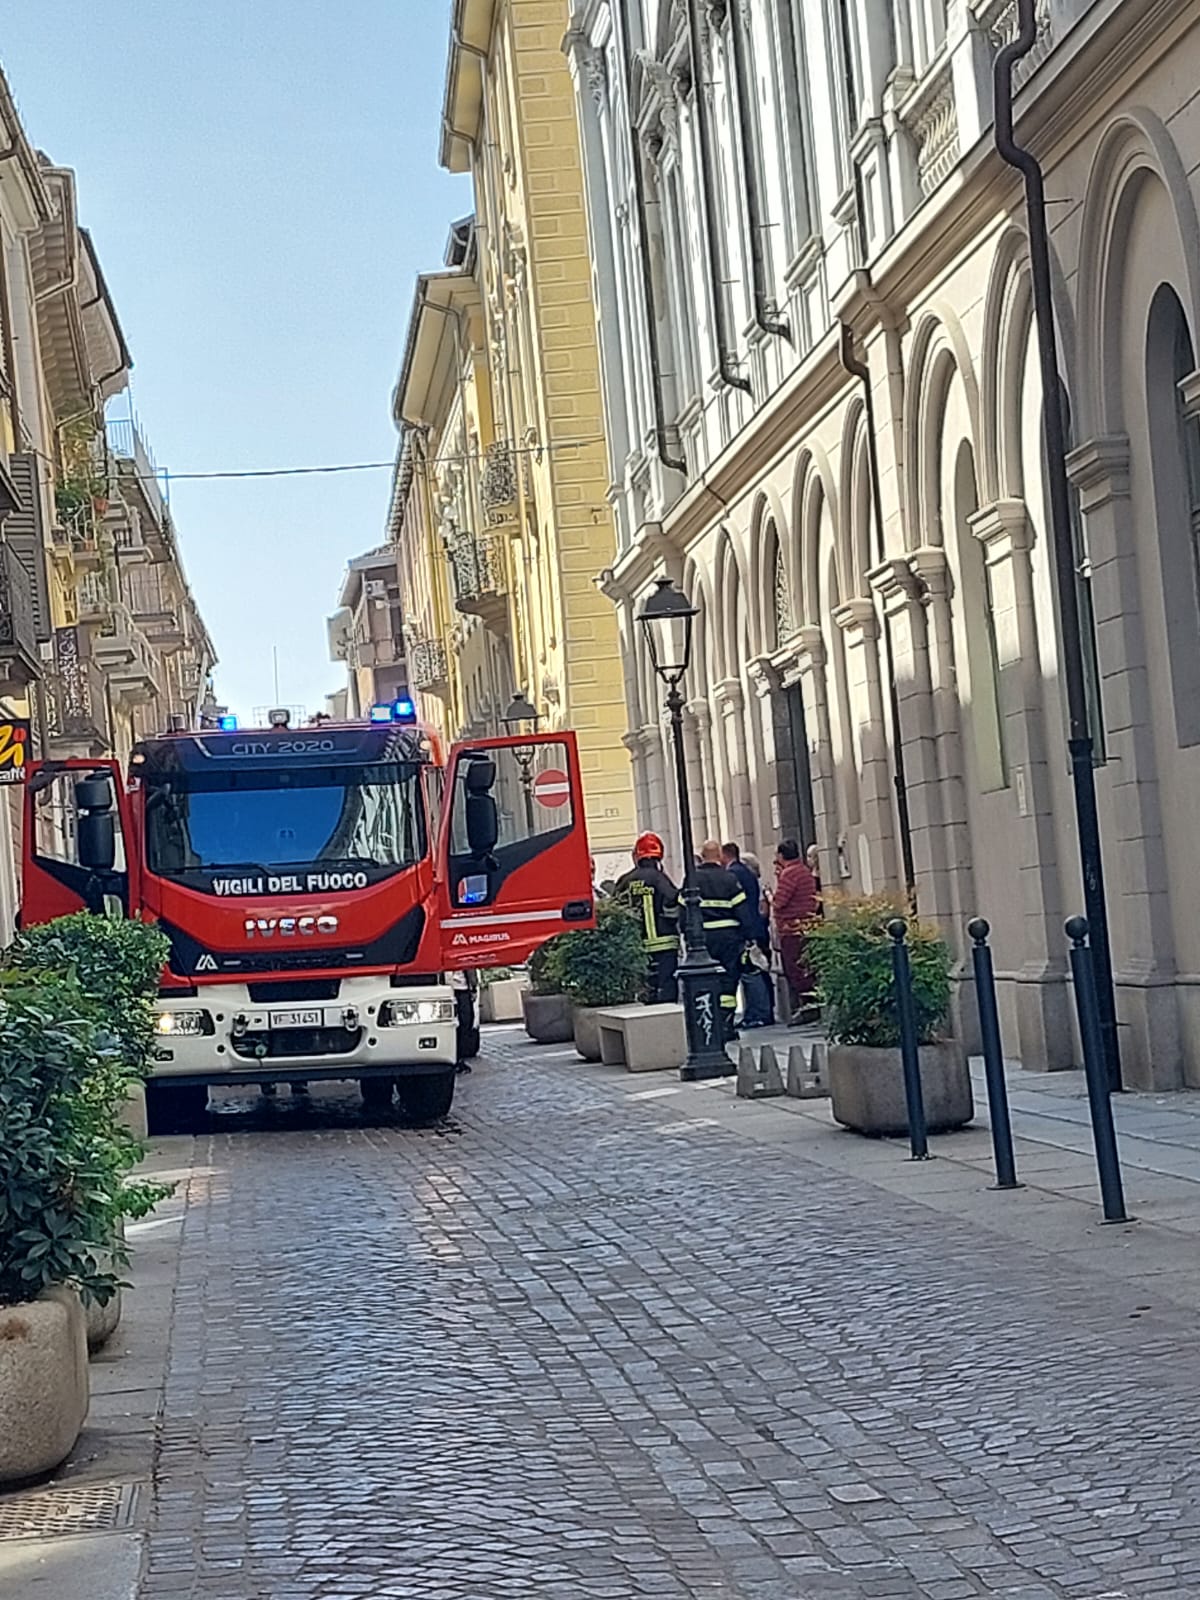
(552, 788)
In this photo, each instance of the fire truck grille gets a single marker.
(296, 1042)
(264, 993)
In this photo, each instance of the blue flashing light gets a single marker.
(381, 713)
(227, 724)
(404, 710)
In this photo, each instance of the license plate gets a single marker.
(295, 1018)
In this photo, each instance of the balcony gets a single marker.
(477, 570)
(127, 445)
(76, 701)
(20, 663)
(123, 654)
(428, 669)
(498, 484)
(93, 601)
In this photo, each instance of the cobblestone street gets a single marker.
(583, 1343)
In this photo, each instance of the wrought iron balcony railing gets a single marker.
(427, 665)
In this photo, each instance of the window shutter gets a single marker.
(24, 531)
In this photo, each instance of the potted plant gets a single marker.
(116, 965)
(546, 1008)
(851, 954)
(599, 967)
(499, 995)
(66, 1161)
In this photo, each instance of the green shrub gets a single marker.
(117, 964)
(851, 954)
(604, 965)
(490, 975)
(63, 1188)
(543, 967)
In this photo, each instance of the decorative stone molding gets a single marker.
(701, 713)
(730, 695)
(858, 615)
(1100, 471)
(764, 679)
(930, 566)
(930, 114)
(1189, 390)
(1002, 528)
(998, 19)
(810, 648)
(896, 583)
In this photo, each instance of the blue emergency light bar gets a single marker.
(402, 710)
(227, 724)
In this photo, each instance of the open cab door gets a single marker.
(74, 840)
(514, 867)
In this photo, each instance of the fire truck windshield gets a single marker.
(363, 821)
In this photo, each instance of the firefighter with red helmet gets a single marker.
(656, 900)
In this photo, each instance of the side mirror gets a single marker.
(97, 841)
(483, 823)
(480, 777)
(97, 838)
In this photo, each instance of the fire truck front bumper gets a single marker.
(222, 1035)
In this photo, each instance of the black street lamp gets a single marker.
(1079, 741)
(521, 710)
(666, 620)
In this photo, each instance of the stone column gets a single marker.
(1143, 943)
(708, 815)
(810, 662)
(731, 709)
(695, 768)
(930, 567)
(636, 745)
(764, 685)
(1043, 1001)
(860, 625)
(902, 595)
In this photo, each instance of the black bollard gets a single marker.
(909, 1052)
(1104, 1133)
(993, 1056)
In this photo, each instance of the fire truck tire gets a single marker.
(175, 1107)
(376, 1093)
(426, 1099)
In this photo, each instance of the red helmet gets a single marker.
(649, 848)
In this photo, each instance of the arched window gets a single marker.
(1175, 441)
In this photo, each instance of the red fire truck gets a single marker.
(325, 890)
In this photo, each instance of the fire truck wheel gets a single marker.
(376, 1093)
(175, 1107)
(425, 1099)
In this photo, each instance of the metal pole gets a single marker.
(1079, 742)
(699, 975)
(909, 1046)
(993, 1056)
(1104, 1133)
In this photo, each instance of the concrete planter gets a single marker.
(133, 1112)
(102, 1322)
(43, 1383)
(866, 1087)
(587, 1032)
(547, 1018)
(501, 1002)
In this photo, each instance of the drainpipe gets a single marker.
(1079, 741)
(765, 312)
(858, 369)
(726, 360)
(662, 443)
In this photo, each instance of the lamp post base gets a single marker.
(700, 983)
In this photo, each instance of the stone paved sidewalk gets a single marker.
(609, 1337)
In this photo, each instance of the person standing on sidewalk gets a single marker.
(656, 900)
(795, 905)
(757, 1009)
(727, 926)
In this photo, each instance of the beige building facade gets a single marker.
(855, 142)
(537, 470)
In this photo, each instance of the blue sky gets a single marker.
(260, 178)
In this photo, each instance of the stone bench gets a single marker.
(642, 1038)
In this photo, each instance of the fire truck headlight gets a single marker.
(184, 1024)
(399, 1013)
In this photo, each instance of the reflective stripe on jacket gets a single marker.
(650, 892)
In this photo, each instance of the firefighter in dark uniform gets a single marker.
(728, 925)
(656, 900)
